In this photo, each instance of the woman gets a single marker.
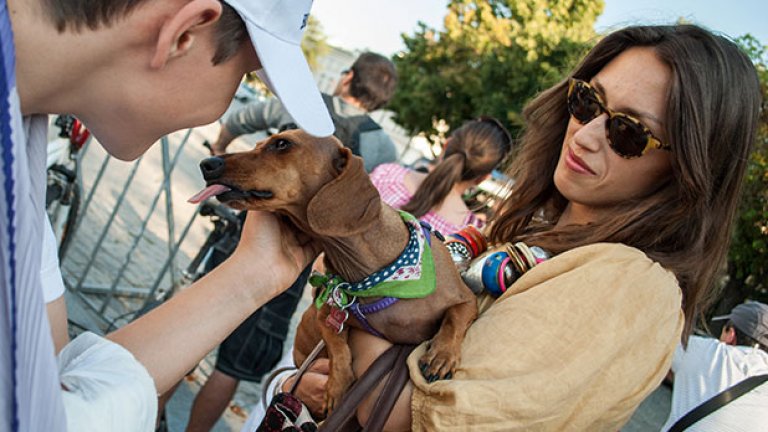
(630, 172)
(471, 153)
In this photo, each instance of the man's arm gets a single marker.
(170, 340)
(255, 117)
(57, 317)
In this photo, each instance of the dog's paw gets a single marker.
(335, 390)
(437, 363)
(329, 404)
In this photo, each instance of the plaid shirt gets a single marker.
(389, 179)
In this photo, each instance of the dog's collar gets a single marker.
(411, 275)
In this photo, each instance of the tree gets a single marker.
(313, 44)
(490, 59)
(748, 255)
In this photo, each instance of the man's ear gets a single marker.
(347, 78)
(728, 335)
(177, 34)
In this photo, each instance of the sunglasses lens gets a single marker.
(583, 104)
(628, 138)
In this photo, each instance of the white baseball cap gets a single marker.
(276, 28)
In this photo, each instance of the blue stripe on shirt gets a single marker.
(7, 83)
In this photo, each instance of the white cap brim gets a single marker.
(288, 76)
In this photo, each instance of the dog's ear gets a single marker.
(348, 204)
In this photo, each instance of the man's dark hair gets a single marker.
(743, 339)
(374, 80)
(76, 15)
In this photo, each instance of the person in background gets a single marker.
(365, 87)
(471, 152)
(707, 366)
(132, 71)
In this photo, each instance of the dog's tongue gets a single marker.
(208, 192)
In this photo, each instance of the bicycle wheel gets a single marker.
(68, 230)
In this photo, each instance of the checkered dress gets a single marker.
(389, 179)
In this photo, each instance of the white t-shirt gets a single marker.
(707, 368)
(50, 273)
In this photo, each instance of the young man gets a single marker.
(365, 87)
(133, 71)
(708, 366)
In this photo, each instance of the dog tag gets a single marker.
(336, 319)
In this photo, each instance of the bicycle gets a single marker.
(220, 243)
(64, 185)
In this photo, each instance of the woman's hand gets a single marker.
(311, 389)
(272, 251)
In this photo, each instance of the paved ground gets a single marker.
(141, 271)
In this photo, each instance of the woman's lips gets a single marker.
(574, 163)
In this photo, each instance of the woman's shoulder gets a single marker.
(610, 253)
(617, 260)
(606, 270)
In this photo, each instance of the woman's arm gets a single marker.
(170, 340)
(366, 348)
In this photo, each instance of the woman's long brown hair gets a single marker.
(711, 117)
(472, 151)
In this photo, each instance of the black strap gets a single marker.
(299, 373)
(343, 417)
(716, 402)
(398, 378)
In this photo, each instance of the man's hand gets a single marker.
(311, 389)
(271, 251)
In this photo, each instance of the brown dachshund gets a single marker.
(322, 189)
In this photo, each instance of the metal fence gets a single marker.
(135, 231)
(127, 253)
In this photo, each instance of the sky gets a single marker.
(377, 25)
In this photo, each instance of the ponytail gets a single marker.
(437, 185)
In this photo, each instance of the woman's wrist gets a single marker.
(285, 383)
(275, 383)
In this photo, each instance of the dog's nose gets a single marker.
(212, 167)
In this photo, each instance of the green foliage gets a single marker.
(315, 42)
(748, 257)
(490, 59)
(314, 45)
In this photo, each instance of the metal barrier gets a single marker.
(127, 253)
(107, 237)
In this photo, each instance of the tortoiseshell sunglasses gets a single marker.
(627, 136)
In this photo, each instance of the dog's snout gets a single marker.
(212, 167)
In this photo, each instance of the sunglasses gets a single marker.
(626, 135)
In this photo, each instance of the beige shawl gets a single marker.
(575, 344)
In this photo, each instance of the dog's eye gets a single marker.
(281, 145)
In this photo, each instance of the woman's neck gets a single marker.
(576, 214)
